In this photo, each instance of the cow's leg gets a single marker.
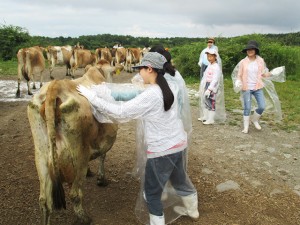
(41, 145)
(76, 198)
(68, 66)
(51, 70)
(18, 94)
(41, 80)
(28, 87)
(101, 180)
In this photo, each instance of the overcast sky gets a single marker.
(152, 18)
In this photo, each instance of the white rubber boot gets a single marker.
(190, 208)
(205, 115)
(211, 118)
(157, 220)
(246, 124)
(255, 119)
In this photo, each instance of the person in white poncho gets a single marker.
(211, 91)
(165, 137)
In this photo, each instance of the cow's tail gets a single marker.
(52, 114)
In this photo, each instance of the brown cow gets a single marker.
(120, 55)
(31, 61)
(66, 136)
(59, 55)
(103, 53)
(80, 59)
(133, 57)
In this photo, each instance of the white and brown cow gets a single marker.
(66, 137)
(133, 57)
(31, 62)
(80, 59)
(59, 55)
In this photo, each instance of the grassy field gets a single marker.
(8, 67)
(288, 92)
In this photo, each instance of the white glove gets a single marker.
(90, 95)
(207, 93)
(238, 84)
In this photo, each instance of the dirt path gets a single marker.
(241, 179)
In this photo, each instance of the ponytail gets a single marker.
(166, 90)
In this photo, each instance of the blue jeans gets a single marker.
(158, 171)
(260, 99)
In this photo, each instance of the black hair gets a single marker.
(169, 68)
(166, 90)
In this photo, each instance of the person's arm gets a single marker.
(214, 84)
(132, 109)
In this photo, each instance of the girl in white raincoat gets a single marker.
(211, 91)
(164, 135)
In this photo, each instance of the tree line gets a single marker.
(277, 49)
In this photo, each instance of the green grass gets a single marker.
(8, 67)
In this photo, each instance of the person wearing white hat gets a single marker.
(203, 61)
(211, 91)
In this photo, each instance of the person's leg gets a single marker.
(211, 109)
(260, 99)
(184, 188)
(247, 110)
(157, 173)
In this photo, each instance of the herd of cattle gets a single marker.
(66, 136)
(31, 61)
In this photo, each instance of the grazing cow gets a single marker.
(59, 55)
(31, 61)
(66, 137)
(80, 59)
(103, 53)
(133, 57)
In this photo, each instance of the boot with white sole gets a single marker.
(157, 220)
(246, 124)
(205, 115)
(211, 118)
(254, 119)
(190, 208)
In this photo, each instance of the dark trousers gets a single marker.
(158, 171)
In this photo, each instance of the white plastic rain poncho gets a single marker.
(273, 105)
(113, 92)
(220, 114)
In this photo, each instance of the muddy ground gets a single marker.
(241, 179)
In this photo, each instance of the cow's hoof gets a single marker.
(33, 87)
(18, 94)
(51, 77)
(30, 93)
(102, 182)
